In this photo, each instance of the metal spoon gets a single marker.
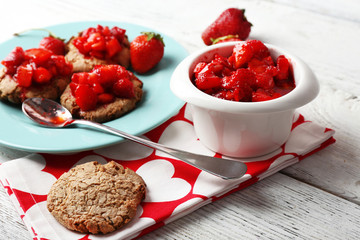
(49, 113)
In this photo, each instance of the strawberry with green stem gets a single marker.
(146, 51)
(51, 42)
(230, 22)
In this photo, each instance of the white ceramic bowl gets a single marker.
(242, 129)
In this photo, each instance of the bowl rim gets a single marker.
(307, 86)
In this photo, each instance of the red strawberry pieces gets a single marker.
(102, 85)
(146, 51)
(100, 42)
(243, 53)
(13, 60)
(230, 22)
(35, 66)
(249, 74)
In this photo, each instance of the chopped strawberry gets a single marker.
(261, 65)
(24, 75)
(106, 73)
(239, 78)
(105, 98)
(249, 74)
(242, 54)
(123, 88)
(119, 33)
(199, 67)
(112, 46)
(207, 81)
(265, 80)
(85, 97)
(230, 22)
(13, 60)
(38, 55)
(41, 75)
(63, 68)
(97, 42)
(100, 42)
(106, 83)
(80, 78)
(245, 52)
(73, 87)
(259, 49)
(207, 78)
(262, 95)
(283, 67)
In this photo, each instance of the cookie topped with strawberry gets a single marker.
(35, 72)
(103, 94)
(99, 45)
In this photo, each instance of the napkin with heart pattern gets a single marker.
(174, 189)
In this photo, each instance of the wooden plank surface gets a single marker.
(277, 207)
(315, 199)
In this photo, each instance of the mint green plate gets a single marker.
(157, 105)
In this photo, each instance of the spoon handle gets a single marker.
(224, 168)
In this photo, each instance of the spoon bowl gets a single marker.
(49, 113)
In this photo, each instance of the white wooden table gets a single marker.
(316, 199)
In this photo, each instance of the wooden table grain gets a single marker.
(317, 198)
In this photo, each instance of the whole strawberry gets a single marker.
(56, 45)
(230, 22)
(146, 51)
(51, 42)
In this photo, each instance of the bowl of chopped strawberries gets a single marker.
(243, 95)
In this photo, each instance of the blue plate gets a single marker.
(157, 105)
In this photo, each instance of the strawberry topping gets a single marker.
(100, 42)
(102, 85)
(248, 75)
(35, 66)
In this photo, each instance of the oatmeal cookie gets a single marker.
(106, 112)
(12, 92)
(82, 63)
(95, 198)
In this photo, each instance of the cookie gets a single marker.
(83, 63)
(106, 112)
(95, 198)
(12, 92)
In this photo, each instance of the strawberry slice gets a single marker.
(119, 33)
(38, 55)
(262, 95)
(105, 98)
(85, 97)
(106, 73)
(13, 60)
(24, 75)
(123, 88)
(112, 47)
(41, 75)
(97, 42)
(242, 54)
(283, 67)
